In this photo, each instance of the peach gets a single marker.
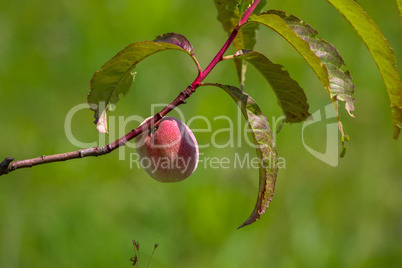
(169, 152)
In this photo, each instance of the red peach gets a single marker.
(168, 153)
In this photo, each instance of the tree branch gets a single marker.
(7, 165)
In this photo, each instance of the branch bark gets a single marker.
(7, 165)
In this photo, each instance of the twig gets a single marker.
(153, 252)
(7, 165)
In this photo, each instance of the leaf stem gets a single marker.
(7, 165)
(249, 11)
(219, 56)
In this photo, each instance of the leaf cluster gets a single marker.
(115, 78)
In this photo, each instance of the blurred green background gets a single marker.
(85, 213)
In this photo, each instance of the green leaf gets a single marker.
(114, 79)
(277, 24)
(314, 53)
(265, 147)
(340, 82)
(399, 4)
(290, 95)
(176, 39)
(380, 50)
(230, 13)
(245, 39)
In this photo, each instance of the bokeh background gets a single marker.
(85, 213)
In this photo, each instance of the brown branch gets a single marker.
(7, 165)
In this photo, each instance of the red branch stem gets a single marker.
(7, 165)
